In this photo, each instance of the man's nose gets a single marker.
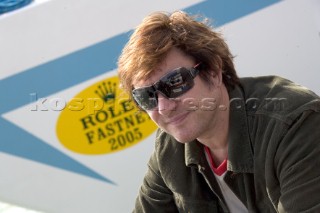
(166, 105)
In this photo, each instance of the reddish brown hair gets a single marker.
(159, 33)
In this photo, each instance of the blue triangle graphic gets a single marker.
(17, 142)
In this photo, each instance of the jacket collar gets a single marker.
(240, 153)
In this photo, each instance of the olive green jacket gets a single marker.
(273, 157)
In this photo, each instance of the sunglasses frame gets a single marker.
(162, 86)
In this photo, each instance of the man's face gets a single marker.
(194, 114)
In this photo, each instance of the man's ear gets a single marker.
(218, 62)
(219, 77)
(216, 77)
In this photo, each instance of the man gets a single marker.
(224, 144)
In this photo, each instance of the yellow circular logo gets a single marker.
(101, 120)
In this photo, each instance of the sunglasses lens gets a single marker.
(176, 83)
(145, 97)
(172, 85)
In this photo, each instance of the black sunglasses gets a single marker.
(172, 85)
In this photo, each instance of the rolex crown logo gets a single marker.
(107, 91)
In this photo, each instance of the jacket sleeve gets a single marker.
(298, 165)
(154, 196)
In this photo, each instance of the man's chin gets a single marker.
(180, 138)
(183, 140)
